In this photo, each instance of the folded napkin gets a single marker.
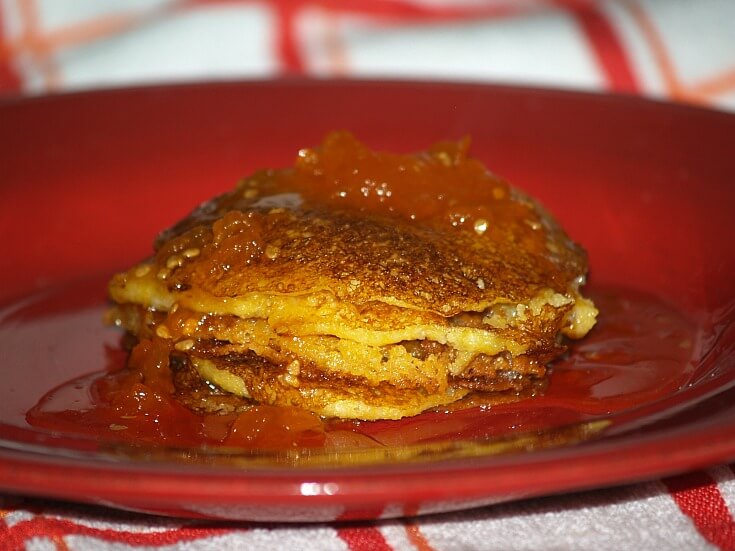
(688, 512)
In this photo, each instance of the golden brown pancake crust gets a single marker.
(363, 257)
(451, 238)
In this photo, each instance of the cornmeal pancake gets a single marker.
(363, 285)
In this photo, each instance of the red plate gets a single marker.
(88, 179)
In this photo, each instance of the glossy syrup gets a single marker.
(641, 350)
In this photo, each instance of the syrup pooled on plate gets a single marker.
(641, 351)
(367, 299)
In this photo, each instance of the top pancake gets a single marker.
(434, 233)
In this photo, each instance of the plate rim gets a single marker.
(38, 473)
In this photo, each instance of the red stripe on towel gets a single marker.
(9, 78)
(606, 45)
(363, 538)
(698, 497)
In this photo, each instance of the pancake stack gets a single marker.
(360, 285)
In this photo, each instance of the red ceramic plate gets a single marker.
(88, 179)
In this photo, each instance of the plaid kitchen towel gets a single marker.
(683, 50)
(688, 512)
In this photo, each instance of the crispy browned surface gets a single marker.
(368, 258)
